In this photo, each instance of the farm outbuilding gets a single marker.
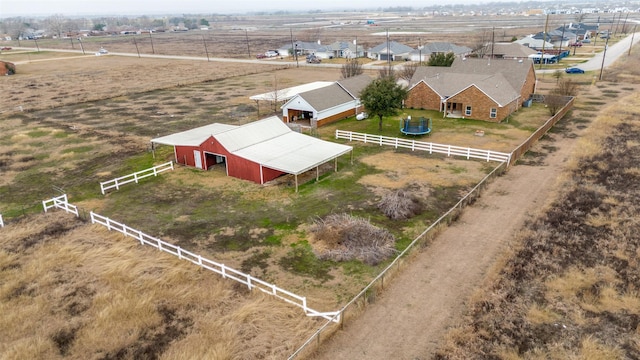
(259, 151)
(327, 104)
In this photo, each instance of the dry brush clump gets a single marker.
(571, 289)
(345, 237)
(400, 205)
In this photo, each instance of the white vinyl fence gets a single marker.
(117, 182)
(449, 150)
(60, 202)
(221, 269)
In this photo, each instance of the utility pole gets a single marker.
(544, 40)
(294, 47)
(604, 54)
(81, 47)
(246, 35)
(205, 47)
(153, 51)
(632, 36)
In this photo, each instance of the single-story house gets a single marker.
(511, 50)
(345, 49)
(482, 89)
(558, 38)
(536, 44)
(327, 104)
(259, 151)
(392, 50)
(438, 48)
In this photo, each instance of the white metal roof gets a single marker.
(272, 144)
(193, 137)
(268, 142)
(288, 93)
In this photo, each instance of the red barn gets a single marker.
(259, 151)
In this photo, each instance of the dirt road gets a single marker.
(414, 312)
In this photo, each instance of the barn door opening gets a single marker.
(211, 160)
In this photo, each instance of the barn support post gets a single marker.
(317, 173)
(351, 156)
(335, 166)
(296, 176)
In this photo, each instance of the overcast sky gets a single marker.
(154, 7)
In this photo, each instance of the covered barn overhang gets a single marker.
(294, 153)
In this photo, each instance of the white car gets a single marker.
(102, 51)
(271, 53)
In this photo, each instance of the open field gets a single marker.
(90, 119)
(568, 286)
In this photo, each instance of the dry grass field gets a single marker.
(569, 289)
(69, 122)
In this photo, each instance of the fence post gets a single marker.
(1, 221)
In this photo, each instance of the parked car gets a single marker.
(576, 44)
(261, 56)
(586, 41)
(103, 51)
(312, 59)
(574, 70)
(271, 53)
(6, 48)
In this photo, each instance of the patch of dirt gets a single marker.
(430, 294)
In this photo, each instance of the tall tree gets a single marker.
(383, 97)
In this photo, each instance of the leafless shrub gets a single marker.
(407, 71)
(566, 87)
(400, 204)
(347, 237)
(351, 68)
(553, 103)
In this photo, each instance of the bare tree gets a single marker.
(407, 71)
(351, 68)
(387, 72)
(566, 87)
(579, 18)
(56, 24)
(13, 27)
(479, 46)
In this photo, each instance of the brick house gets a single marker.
(480, 89)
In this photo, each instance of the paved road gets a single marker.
(612, 54)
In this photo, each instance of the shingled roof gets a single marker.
(340, 92)
(501, 80)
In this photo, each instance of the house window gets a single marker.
(493, 113)
(467, 111)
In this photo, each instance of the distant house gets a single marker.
(533, 43)
(482, 89)
(512, 51)
(558, 38)
(439, 48)
(582, 31)
(327, 104)
(392, 50)
(345, 49)
(259, 151)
